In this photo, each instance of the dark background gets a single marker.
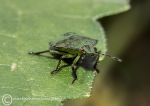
(126, 83)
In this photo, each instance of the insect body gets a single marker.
(79, 49)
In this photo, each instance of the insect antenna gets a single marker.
(112, 57)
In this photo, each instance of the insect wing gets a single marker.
(75, 42)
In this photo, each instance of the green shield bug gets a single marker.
(77, 51)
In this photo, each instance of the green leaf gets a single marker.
(28, 26)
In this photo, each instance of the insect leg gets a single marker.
(96, 68)
(74, 68)
(74, 73)
(56, 52)
(57, 68)
(97, 62)
(60, 68)
(61, 58)
(38, 53)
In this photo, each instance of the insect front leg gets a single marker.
(96, 68)
(58, 68)
(96, 64)
(74, 73)
(74, 69)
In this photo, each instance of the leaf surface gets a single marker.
(29, 26)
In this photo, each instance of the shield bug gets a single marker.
(77, 51)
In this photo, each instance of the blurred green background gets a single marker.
(126, 83)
